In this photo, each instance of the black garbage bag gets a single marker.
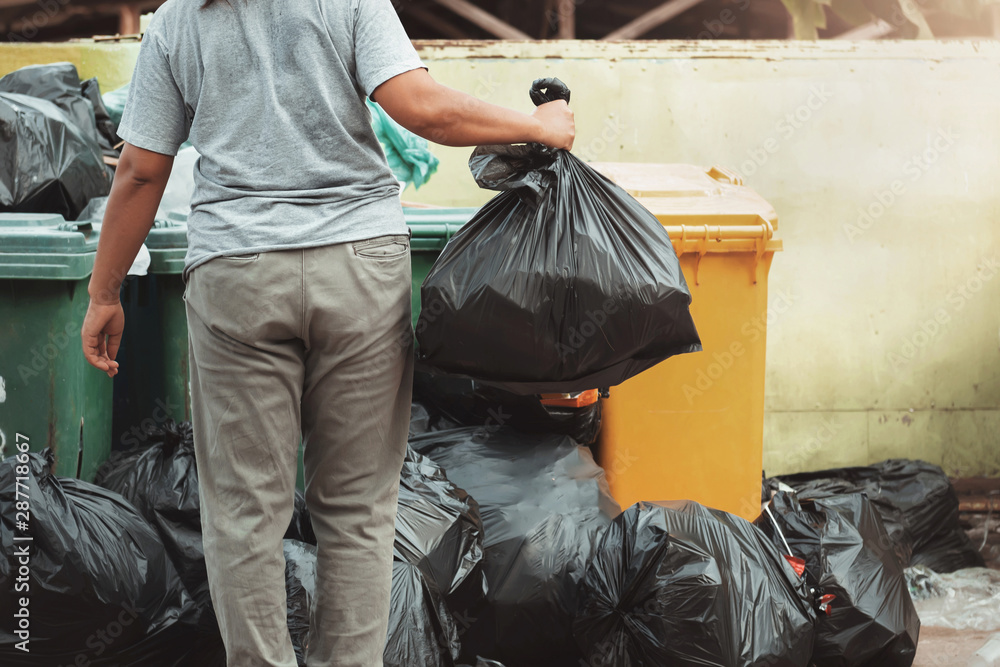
(101, 590)
(439, 531)
(563, 282)
(544, 503)
(680, 584)
(916, 501)
(420, 419)
(50, 164)
(300, 585)
(107, 129)
(421, 629)
(60, 84)
(161, 481)
(465, 402)
(301, 528)
(870, 621)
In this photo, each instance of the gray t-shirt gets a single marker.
(272, 94)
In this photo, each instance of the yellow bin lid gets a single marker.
(703, 210)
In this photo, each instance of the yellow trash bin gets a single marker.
(692, 426)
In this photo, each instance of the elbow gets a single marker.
(139, 168)
(435, 118)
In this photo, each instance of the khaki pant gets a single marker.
(313, 344)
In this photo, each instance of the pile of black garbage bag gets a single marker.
(867, 616)
(544, 502)
(917, 504)
(509, 550)
(54, 135)
(99, 585)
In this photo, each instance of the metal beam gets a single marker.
(652, 19)
(431, 21)
(128, 20)
(870, 30)
(483, 19)
(567, 19)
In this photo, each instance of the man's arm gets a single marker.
(139, 182)
(446, 116)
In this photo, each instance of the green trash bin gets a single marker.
(431, 229)
(49, 394)
(152, 384)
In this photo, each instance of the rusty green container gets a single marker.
(49, 395)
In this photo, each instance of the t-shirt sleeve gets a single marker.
(381, 48)
(155, 116)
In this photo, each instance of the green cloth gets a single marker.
(409, 158)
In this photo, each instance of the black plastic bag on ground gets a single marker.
(561, 283)
(300, 585)
(102, 591)
(161, 481)
(871, 621)
(680, 584)
(438, 530)
(916, 501)
(421, 630)
(466, 402)
(51, 165)
(544, 503)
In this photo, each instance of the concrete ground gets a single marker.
(943, 647)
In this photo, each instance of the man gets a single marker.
(297, 288)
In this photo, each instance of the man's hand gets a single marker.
(102, 334)
(558, 126)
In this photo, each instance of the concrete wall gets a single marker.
(881, 159)
(111, 62)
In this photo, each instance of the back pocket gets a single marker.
(383, 247)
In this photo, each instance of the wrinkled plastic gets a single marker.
(561, 283)
(680, 584)
(421, 630)
(439, 531)
(871, 621)
(107, 129)
(544, 503)
(408, 155)
(966, 599)
(60, 84)
(50, 164)
(300, 528)
(161, 481)
(300, 585)
(469, 403)
(918, 505)
(96, 566)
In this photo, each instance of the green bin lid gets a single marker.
(167, 244)
(45, 246)
(433, 227)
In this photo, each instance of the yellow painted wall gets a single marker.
(884, 331)
(110, 62)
